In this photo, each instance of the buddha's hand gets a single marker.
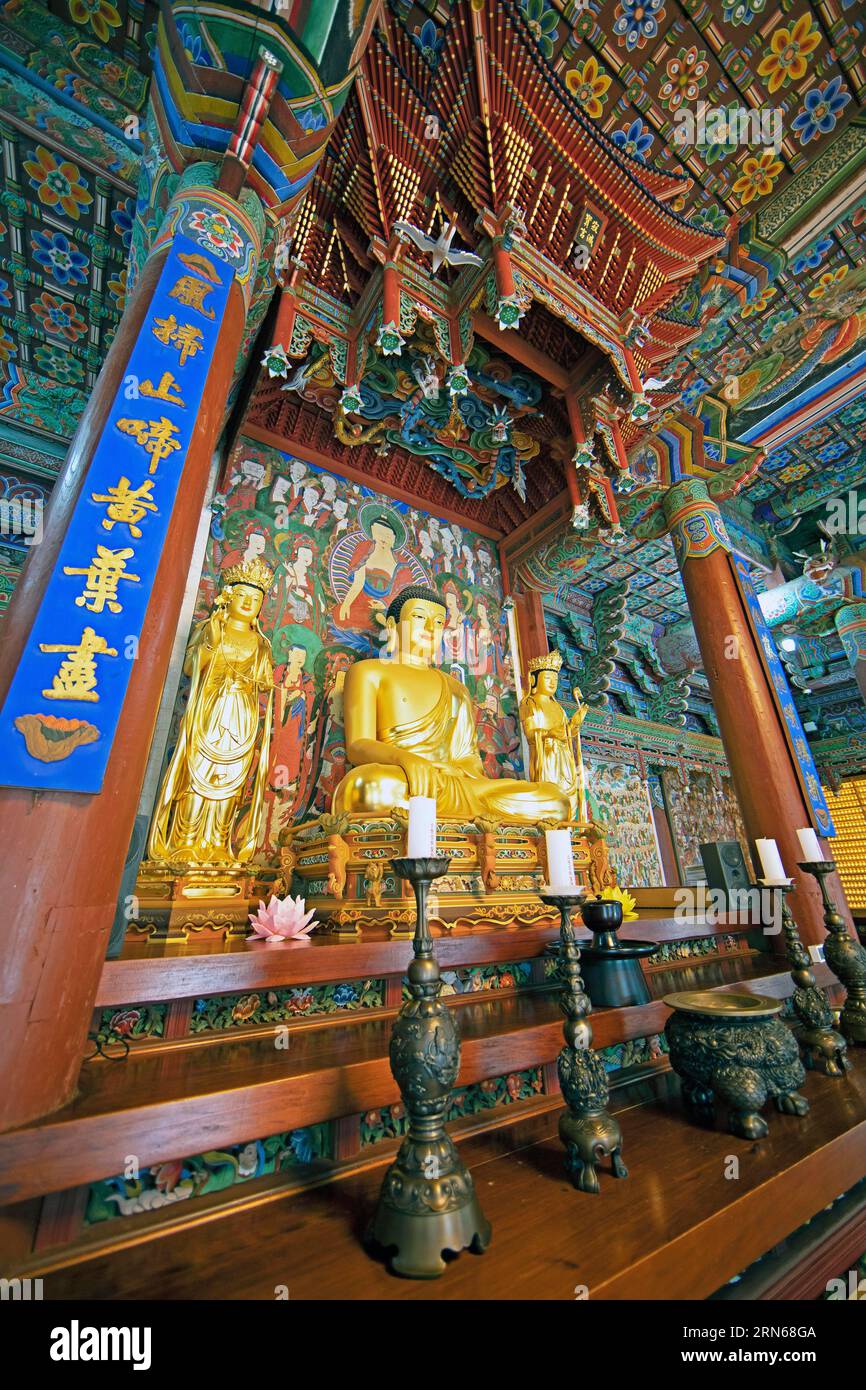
(422, 777)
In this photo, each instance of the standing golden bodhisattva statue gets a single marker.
(553, 738)
(410, 731)
(222, 738)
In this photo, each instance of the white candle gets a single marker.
(810, 846)
(560, 859)
(421, 841)
(771, 861)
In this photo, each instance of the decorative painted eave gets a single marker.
(536, 279)
(196, 104)
(636, 191)
(499, 110)
(668, 338)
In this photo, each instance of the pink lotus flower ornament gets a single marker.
(284, 919)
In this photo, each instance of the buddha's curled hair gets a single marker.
(395, 607)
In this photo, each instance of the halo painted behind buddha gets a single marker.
(410, 731)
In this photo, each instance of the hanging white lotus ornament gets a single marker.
(584, 455)
(284, 919)
(458, 380)
(276, 361)
(613, 536)
(509, 311)
(390, 340)
(580, 517)
(350, 400)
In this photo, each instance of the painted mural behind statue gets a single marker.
(340, 552)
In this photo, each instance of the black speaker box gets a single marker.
(725, 866)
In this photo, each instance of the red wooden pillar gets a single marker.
(503, 270)
(63, 852)
(287, 312)
(391, 295)
(666, 846)
(578, 434)
(531, 631)
(764, 772)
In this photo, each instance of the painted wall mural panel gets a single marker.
(620, 798)
(340, 552)
(701, 809)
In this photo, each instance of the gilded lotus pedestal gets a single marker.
(343, 866)
(174, 900)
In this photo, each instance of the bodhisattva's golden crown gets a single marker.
(253, 572)
(551, 661)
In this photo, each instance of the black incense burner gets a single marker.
(611, 968)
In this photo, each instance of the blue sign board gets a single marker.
(60, 716)
(809, 781)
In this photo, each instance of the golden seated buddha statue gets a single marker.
(410, 731)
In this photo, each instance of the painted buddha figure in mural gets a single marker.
(223, 740)
(410, 731)
(378, 569)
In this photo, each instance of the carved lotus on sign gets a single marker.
(50, 738)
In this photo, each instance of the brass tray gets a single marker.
(711, 1004)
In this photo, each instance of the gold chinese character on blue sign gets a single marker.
(112, 548)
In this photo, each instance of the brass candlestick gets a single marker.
(428, 1202)
(845, 956)
(587, 1130)
(822, 1047)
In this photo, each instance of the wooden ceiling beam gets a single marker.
(512, 345)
